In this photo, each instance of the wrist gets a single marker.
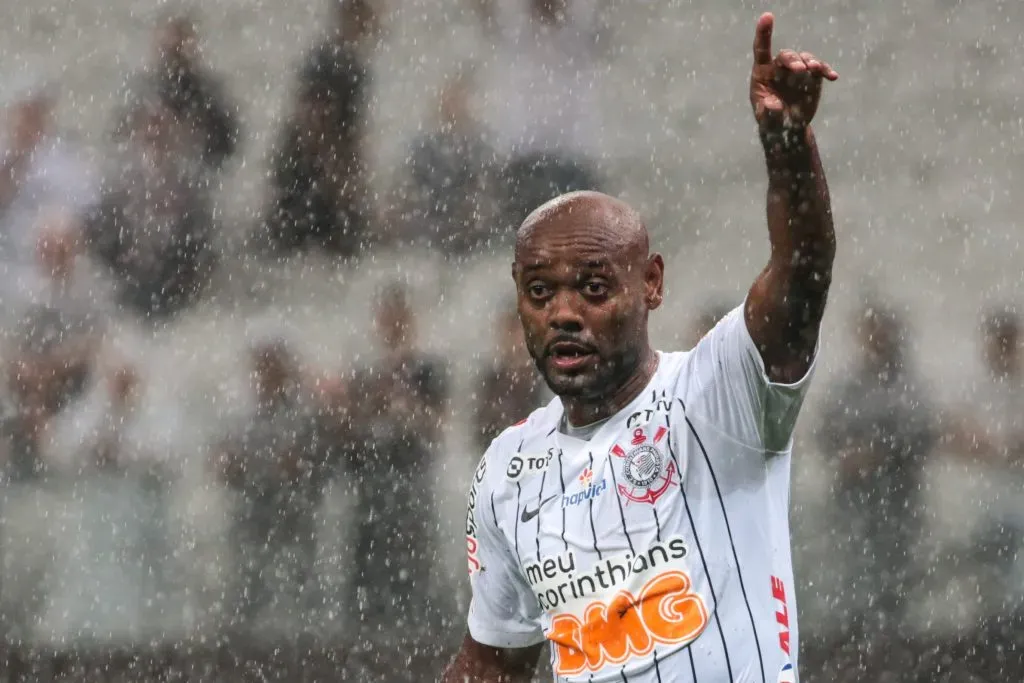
(787, 148)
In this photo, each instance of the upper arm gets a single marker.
(485, 664)
(730, 387)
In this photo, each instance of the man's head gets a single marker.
(586, 282)
(176, 40)
(272, 367)
(30, 117)
(1000, 331)
(881, 335)
(549, 11)
(59, 242)
(355, 21)
(394, 319)
(453, 101)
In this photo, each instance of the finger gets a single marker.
(769, 109)
(818, 67)
(763, 39)
(813, 65)
(790, 61)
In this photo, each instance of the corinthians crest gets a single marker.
(647, 472)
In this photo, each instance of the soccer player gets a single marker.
(639, 522)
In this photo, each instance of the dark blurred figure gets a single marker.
(398, 409)
(50, 337)
(879, 430)
(191, 91)
(154, 224)
(992, 427)
(318, 183)
(541, 99)
(279, 480)
(989, 430)
(444, 201)
(511, 389)
(342, 60)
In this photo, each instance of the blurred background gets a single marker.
(257, 317)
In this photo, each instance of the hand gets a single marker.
(784, 91)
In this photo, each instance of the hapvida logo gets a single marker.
(589, 491)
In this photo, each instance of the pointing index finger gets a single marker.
(763, 39)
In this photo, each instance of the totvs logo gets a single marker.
(665, 611)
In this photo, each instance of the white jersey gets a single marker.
(658, 549)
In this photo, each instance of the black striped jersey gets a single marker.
(658, 548)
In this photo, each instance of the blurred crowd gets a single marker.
(89, 244)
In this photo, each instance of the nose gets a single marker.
(564, 311)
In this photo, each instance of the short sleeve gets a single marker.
(503, 612)
(728, 385)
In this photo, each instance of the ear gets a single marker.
(654, 282)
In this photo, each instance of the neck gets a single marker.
(583, 411)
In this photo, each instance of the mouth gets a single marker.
(569, 355)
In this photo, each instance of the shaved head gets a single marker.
(586, 282)
(617, 222)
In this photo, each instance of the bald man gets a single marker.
(639, 522)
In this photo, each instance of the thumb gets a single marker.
(770, 107)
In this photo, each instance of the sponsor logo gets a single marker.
(618, 609)
(664, 611)
(787, 674)
(530, 514)
(559, 584)
(641, 418)
(472, 545)
(589, 490)
(521, 466)
(781, 613)
(647, 472)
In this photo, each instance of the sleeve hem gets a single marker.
(748, 341)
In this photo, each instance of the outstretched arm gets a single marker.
(484, 664)
(786, 303)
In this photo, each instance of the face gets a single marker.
(1001, 348)
(880, 338)
(356, 19)
(176, 40)
(124, 381)
(31, 119)
(549, 11)
(394, 324)
(271, 369)
(56, 248)
(584, 306)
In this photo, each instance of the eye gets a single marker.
(595, 288)
(537, 290)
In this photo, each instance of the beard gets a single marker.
(594, 382)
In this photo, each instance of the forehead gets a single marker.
(573, 242)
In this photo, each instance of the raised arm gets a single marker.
(786, 303)
(478, 663)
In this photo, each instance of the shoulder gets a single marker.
(497, 461)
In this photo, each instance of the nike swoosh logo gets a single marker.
(530, 514)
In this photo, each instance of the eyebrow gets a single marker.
(591, 264)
